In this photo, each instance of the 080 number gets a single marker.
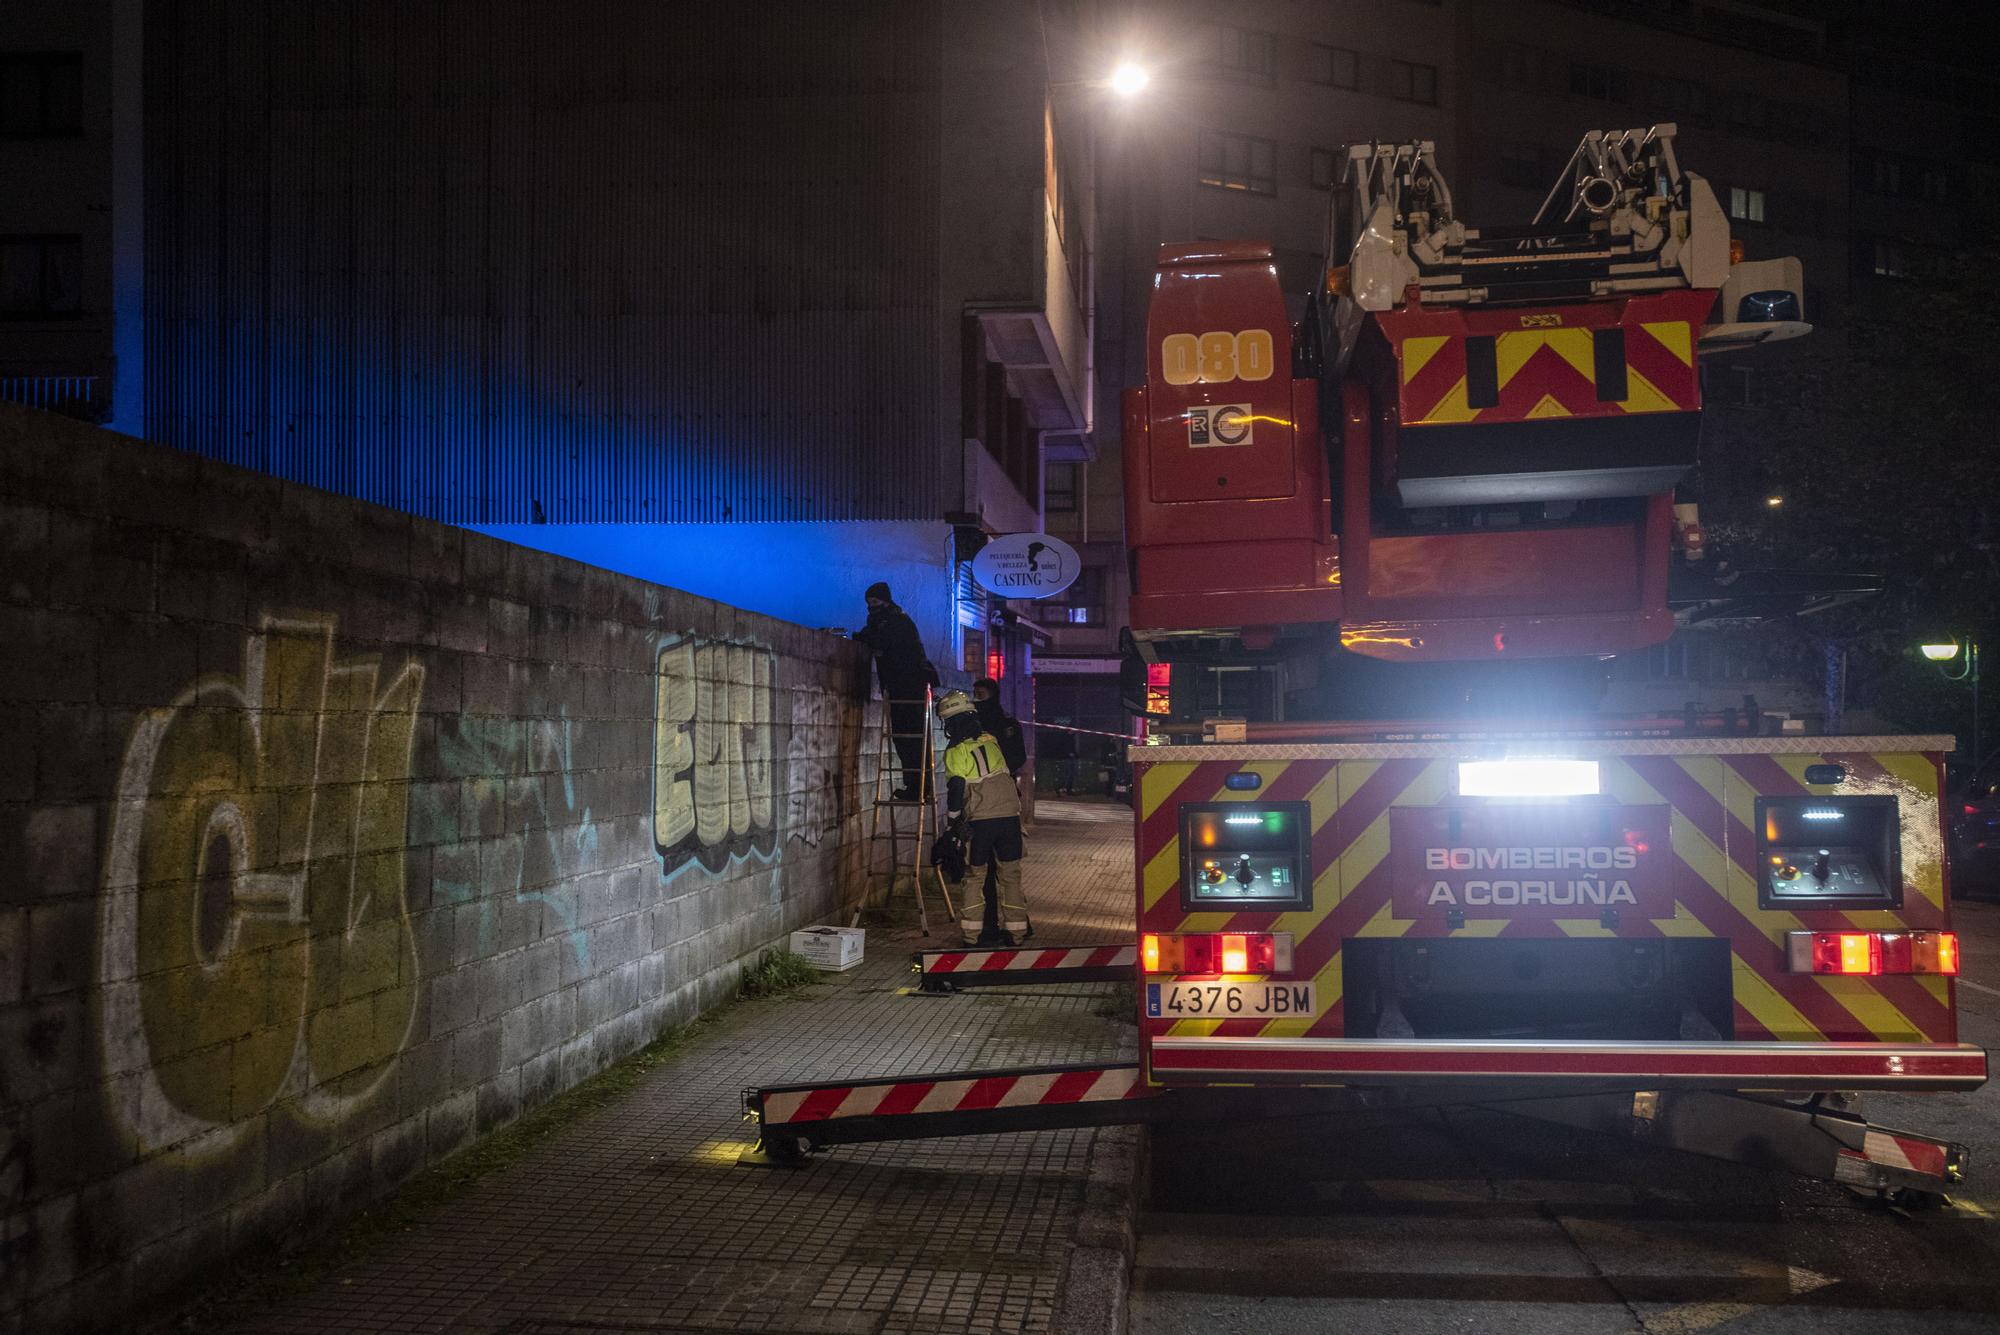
(1217, 357)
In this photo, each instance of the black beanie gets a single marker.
(878, 590)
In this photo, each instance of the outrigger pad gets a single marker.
(784, 1155)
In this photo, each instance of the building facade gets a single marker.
(772, 302)
(766, 302)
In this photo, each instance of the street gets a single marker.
(1478, 1220)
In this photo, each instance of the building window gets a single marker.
(1335, 66)
(1082, 603)
(1410, 82)
(1325, 168)
(1600, 82)
(1793, 120)
(1059, 489)
(1687, 99)
(1884, 259)
(41, 94)
(1749, 112)
(1243, 55)
(1521, 67)
(1239, 162)
(1730, 386)
(1746, 205)
(41, 277)
(1524, 166)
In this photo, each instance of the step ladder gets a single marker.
(885, 825)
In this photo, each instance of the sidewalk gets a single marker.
(639, 1218)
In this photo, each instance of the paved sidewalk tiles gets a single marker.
(638, 1217)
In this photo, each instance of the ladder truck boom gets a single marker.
(1468, 447)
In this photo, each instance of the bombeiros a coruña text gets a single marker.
(1588, 888)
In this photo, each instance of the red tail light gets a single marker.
(1216, 952)
(1871, 953)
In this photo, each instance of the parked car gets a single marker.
(1974, 819)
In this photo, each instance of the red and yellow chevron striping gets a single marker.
(1709, 795)
(1543, 371)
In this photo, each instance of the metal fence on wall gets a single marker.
(83, 396)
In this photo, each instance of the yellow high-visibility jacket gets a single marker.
(977, 782)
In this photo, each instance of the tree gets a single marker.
(1880, 439)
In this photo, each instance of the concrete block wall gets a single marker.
(331, 839)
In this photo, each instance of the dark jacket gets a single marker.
(1005, 731)
(900, 663)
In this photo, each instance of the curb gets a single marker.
(1096, 1282)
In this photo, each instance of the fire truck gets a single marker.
(1383, 858)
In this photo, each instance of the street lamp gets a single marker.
(1129, 79)
(1944, 651)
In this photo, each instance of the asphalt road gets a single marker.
(1471, 1220)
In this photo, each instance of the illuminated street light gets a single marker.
(1941, 652)
(1129, 79)
(1774, 501)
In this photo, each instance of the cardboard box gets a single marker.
(830, 949)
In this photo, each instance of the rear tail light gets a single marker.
(1871, 953)
(1216, 952)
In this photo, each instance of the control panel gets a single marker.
(1239, 855)
(1828, 852)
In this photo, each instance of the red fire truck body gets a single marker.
(1247, 510)
(1466, 449)
(1566, 914)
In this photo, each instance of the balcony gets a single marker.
(87, 397)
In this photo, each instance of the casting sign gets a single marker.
(1025, 565)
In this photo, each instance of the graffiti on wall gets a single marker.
(255, 940)
(821, 753)
(724, 786)
(714, 793)
(550, 841)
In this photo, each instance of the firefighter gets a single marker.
(1000, 725)
(983, 802)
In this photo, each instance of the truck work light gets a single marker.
(1528, 777)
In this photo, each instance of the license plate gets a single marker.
(1220, 1001)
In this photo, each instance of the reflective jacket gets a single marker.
(977, 783)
